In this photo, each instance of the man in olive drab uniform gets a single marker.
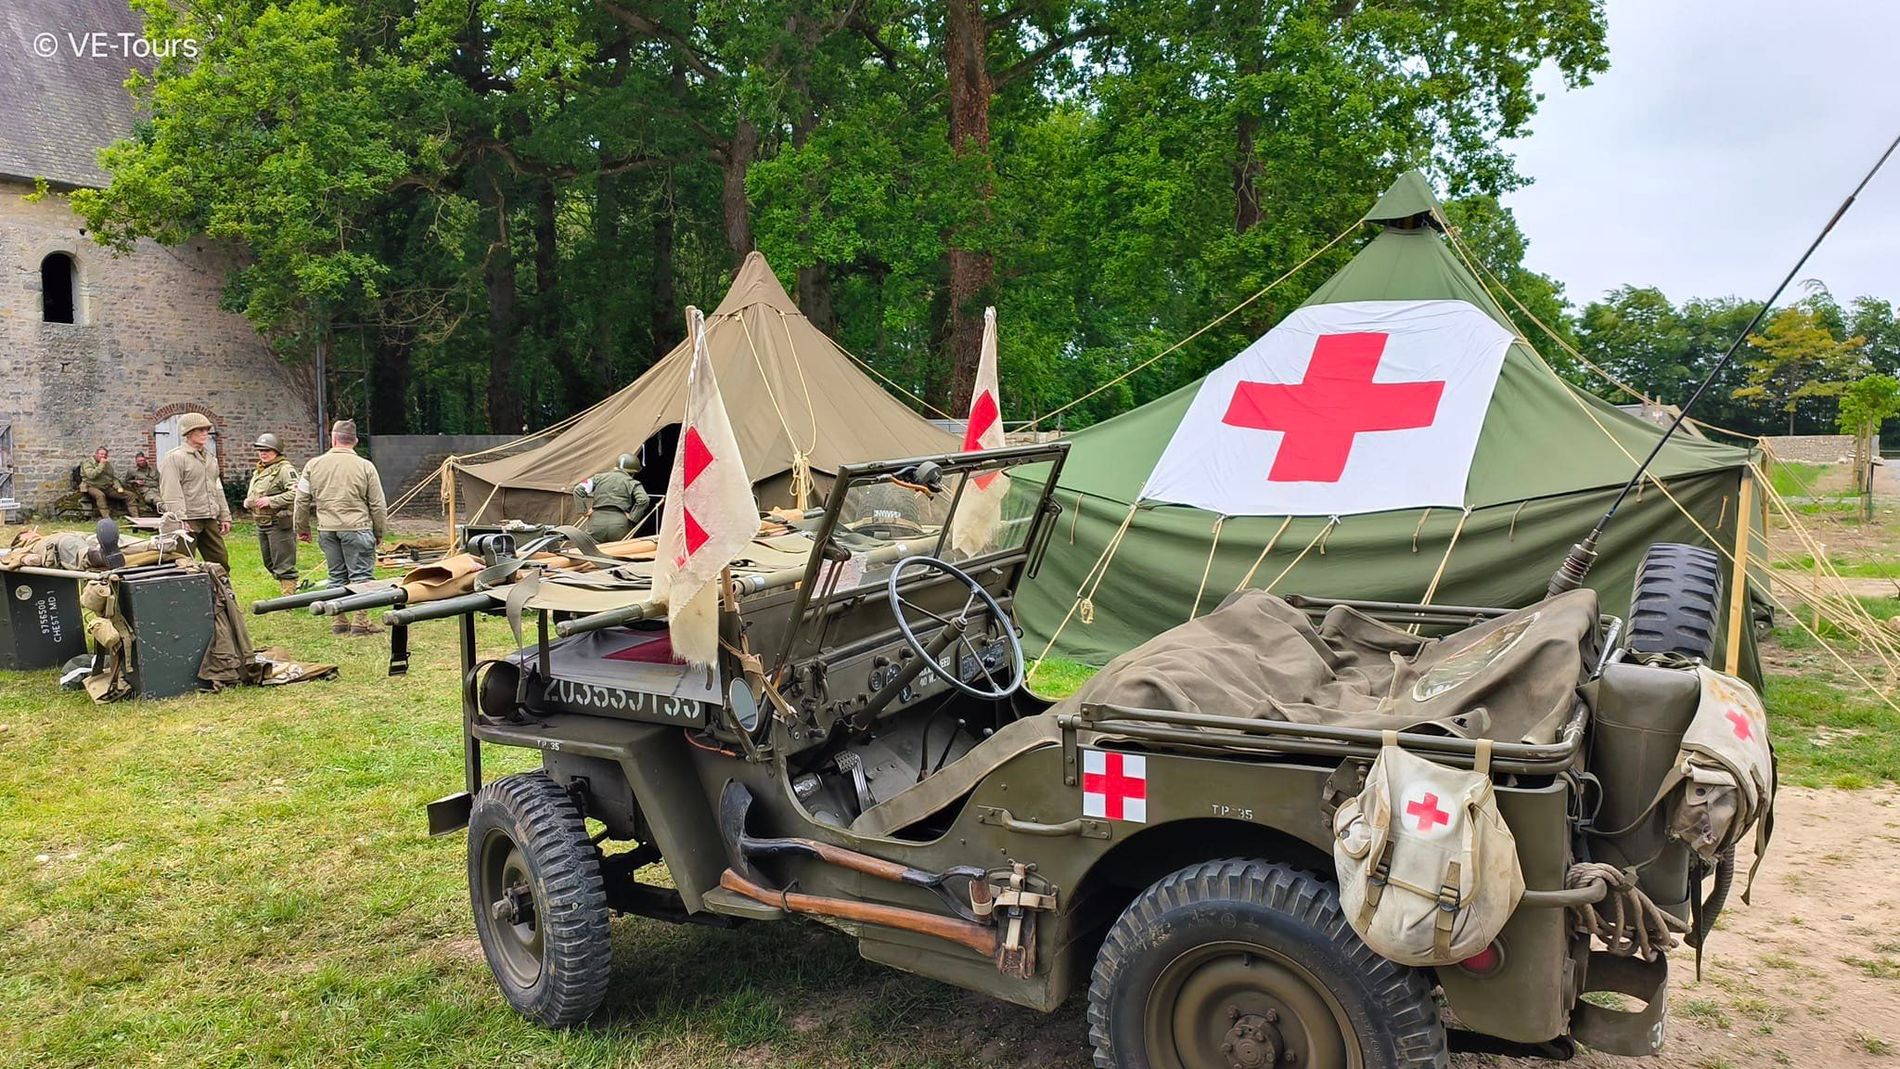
(141, 483)
(98, 481)
(270, 498)
(189, 489)
(614, 502)
(343, 494)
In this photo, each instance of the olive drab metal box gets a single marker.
(40, 626)
(170, 612)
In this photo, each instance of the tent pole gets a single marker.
(448, 492)
(1738, 581)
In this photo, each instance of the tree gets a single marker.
(1795, 358)
(1865, 405)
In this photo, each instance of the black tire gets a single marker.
(1256, 956)
(540, 905)
(1676, 602)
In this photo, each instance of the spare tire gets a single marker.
(1676, 602)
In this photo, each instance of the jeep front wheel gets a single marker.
(1250, 965)
(540, 905)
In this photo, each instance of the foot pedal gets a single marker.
(1626, 1033)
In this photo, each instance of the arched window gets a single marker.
(59, 285)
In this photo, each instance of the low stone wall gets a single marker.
(402, 459)
(1811, 448)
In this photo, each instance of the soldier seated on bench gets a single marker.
(99, 482)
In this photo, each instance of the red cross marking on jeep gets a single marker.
(1336, 401)
(1743, 730)
(1427, 811)
(1114, 787)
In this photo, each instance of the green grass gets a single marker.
(1796, 637)
(244, 879)
(1794, 478)
(1055, 678)
(1887, 568)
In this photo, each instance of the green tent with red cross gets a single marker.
(1394, 438)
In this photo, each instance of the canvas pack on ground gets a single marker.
(1428, 871)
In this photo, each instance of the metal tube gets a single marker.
(374, 599)
(626, 614)
(439, 610)
(299, 600)
(56, 573)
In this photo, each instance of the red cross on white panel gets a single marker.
(1115, 786)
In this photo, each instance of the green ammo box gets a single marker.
(170, 613)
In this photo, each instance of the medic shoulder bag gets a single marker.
(1428, 870)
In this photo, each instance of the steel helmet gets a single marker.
(627, 462)
(269, 441)
(193, 421)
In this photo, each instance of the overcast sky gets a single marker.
(1714, 148)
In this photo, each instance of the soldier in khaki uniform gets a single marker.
(141, 483)
(614, 502)
(343, 494)
(270, 498)
(189, 489)
(99, 482)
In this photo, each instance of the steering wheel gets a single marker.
(979, 598)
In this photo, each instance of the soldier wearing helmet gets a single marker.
(190, 490)
(270, 498)
(613, 503)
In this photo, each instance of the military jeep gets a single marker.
(865, 755)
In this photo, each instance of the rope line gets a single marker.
(1432, 587)
(1224, 316)
(1101, 565)
(1212, 548)
(1482, 272)
(1331, 523)
(1264, 550)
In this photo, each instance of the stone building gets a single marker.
(97, 348)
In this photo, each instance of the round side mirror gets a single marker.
(743, 706)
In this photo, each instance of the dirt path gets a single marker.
(1809, 974)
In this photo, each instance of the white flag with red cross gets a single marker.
(710, 516)
(1362, 406)
(980, 510)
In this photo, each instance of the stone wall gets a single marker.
(401, 459)
(149, 342)
(1811, 448)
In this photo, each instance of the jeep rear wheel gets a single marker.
(540, 905)
(1250, 965)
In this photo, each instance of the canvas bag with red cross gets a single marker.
(1723, 781)
(1428, 870)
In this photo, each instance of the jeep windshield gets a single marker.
(985, 512)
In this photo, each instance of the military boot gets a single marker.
(286, 586)
(363, 626)
(339, 624)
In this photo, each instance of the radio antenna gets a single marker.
(1577, 563)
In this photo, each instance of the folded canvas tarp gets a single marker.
(1547, 459)
(793, 396)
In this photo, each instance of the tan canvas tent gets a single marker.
(795, 400)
